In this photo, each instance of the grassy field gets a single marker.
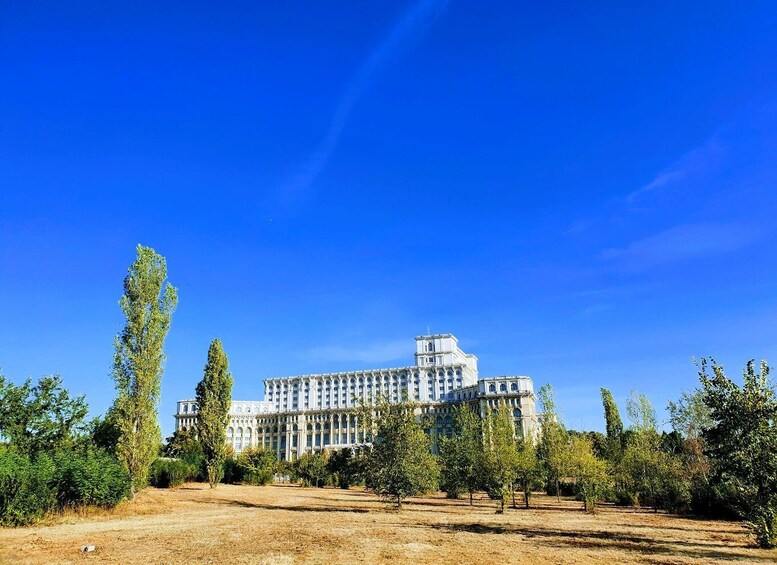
(289, 524)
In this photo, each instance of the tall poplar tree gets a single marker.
(148, 304)
(614, 425)
(554, 438)
(501, 456)
(214, 397)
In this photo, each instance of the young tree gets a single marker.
(528, 468)
(554, 439)
(148, 304)
(400, 464)
(42, 417)
(590, 472)
(461, 455)
(343, 466)
(500, 454)
(214, 398)
(641, 412)
(741, 441)
(614, 426)
(313, 469)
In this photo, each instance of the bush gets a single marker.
(233, 472)
(170, 473)
(91, 478)
(257, 466)
(26, 490)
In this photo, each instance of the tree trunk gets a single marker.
(526, 495)
(470, 498)
(558, 491)
(512, 488)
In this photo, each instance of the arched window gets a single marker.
(514, 386)
(491, 388)
(503, 387)
(185, 408)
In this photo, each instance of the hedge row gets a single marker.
(32, 487)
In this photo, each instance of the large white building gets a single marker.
(314, 412)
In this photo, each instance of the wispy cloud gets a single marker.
(696, 161)
(378, 352)
(690, 166)
(683, 242)
(412, 21)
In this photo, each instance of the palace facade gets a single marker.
(314, 412)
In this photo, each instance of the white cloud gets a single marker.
(420, 13)
(694, 162)
(683, 242)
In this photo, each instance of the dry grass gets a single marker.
(289, 524)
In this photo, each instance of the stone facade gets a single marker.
(314, 412)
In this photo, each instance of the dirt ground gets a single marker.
(287, 524)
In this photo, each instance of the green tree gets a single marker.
(500, 454)
(257, 466)
(313, 469)
(590, 473)
(554, 439)
(741, 442)
(343, 466)
(528, 468)
(614, 426)
(649, 474)
(181, 443)
(214, 398)
(400, 463)
(461, 455)
(689, 417)
(148, 304)
(40, 417)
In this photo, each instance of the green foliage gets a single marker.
(43, 417)
(400, 463)
(103, 432)
(500, 457)
(148, 304)
(30, 487)
(257, 466)
(312, 469)
(591, 475)
(181, 443)
(26, 487)
(461, 456)
(345, 466)
(641, 412)
(170, 473)
(741, 442)
(214, 398)
(650, 476)
(528, 468)
(690, 415)
(89, 478)
(554, 438)
(614, 425)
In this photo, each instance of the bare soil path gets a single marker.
(288, 524)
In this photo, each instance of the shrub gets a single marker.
(257, 466)
(233, 471)
(26, 491)
(170, 473)
(91, 478)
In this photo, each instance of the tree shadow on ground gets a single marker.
(611, 540)
(244, 504)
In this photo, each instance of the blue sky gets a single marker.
(581, 193)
